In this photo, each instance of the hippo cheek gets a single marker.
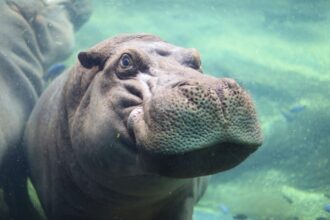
(196, 130)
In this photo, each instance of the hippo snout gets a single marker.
(191, 122)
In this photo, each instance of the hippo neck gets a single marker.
(126, 191)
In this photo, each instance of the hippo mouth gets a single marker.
(205, 161)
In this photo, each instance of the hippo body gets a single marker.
(23, 62)
(132, 129)
(33, 35)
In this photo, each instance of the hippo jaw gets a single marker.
(195, 129)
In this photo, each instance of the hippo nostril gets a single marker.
(227, 85)
(231, 84)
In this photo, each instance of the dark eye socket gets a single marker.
(126, 61)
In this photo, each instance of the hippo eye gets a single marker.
(125, 61)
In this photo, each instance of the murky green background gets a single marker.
(280, 52)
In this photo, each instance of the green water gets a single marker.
(280, 52)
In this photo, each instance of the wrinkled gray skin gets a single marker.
(33, 35)
(129, 131)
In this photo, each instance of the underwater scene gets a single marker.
(279, 52)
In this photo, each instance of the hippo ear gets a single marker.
(91, 59)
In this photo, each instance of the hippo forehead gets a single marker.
(150, 45)
(109, 45)
(160, 48)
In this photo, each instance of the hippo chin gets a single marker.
(130, 130)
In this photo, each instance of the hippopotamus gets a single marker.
(33, 35)
(133, 130)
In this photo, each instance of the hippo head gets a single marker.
(138, 105)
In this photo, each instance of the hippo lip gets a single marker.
(210, 159)
(217, 157)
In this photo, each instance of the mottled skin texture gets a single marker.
(130, 130)
(33, 35)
